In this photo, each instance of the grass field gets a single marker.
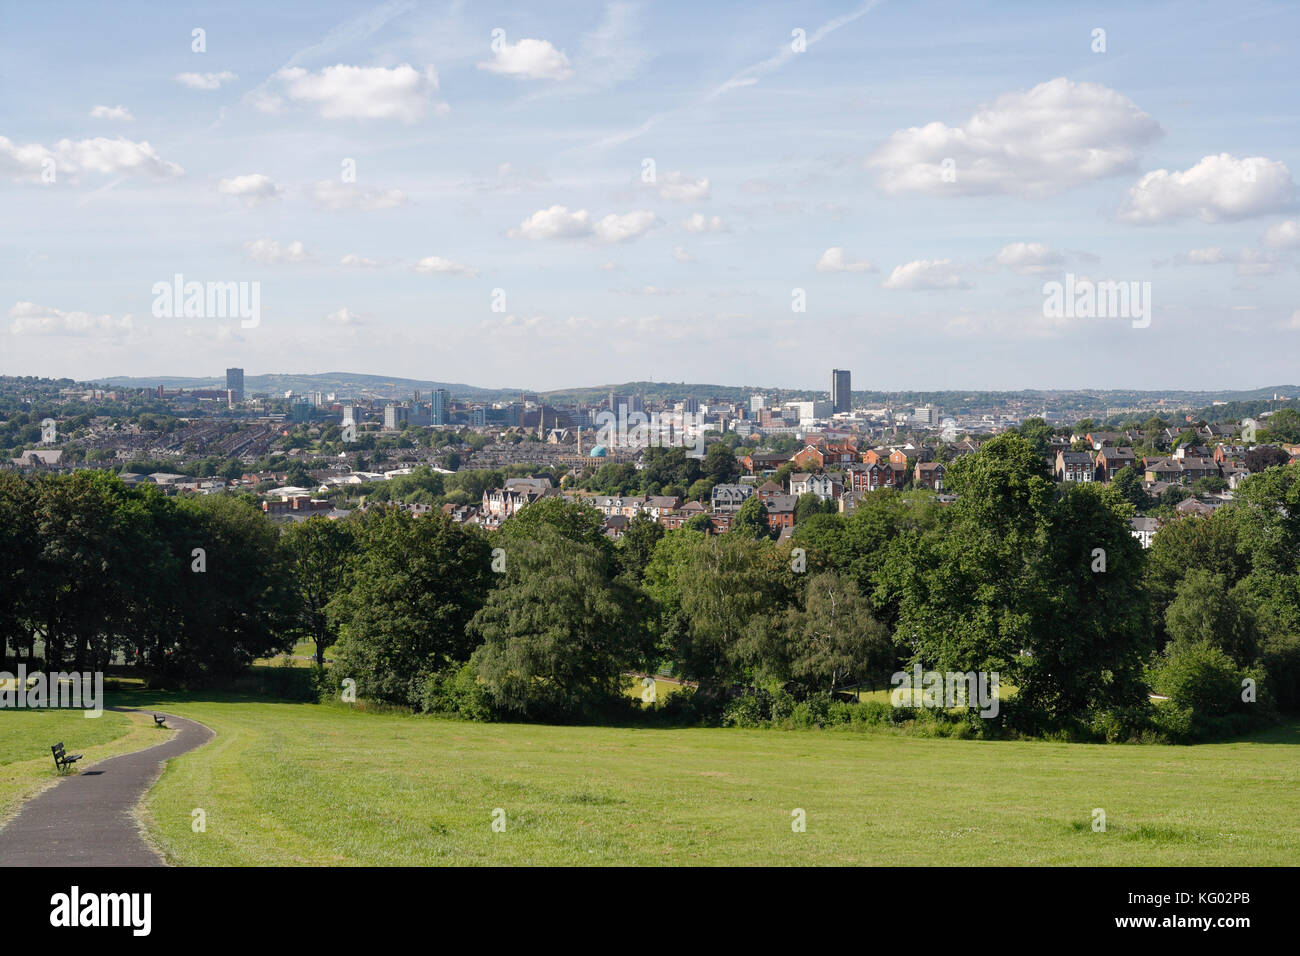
(26, 765)
(326, 784)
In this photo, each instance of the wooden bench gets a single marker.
(159, 720)
(62, 759)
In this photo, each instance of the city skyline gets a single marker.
(430, 190)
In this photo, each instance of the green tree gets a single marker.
(318, 551)
(1206, 609)
(750, 521)
(558, 633)
(833, 638)
(637, 545)
(1128, 482)
(403, 613)
(720, 464)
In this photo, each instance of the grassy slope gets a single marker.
(309, 784)
(26, 765)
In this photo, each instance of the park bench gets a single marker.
(62, 759)
(159, 720)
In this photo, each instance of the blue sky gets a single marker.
(500, 228)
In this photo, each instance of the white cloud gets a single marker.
(359, 262)
(679, 186)
(274, 253)
(926, 274)
(32, 319)
(1212, 255)
(699, 222)
(437, 265)
(533, 59)
(553, 223)
(1283, 235)
(1029, 258)
(681, 255)
(334, 195)
(1055, 136)
(357, 92)
(833, 260)
(558, 222)
(620, 228)
(205, 81)
(1217, 188)
(1248, 262)
(111, 113)
(345, 316)
(70, 158)
(253, 188)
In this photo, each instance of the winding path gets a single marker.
(88, 818)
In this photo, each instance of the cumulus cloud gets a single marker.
(1283, 235)
(334, 195)
(274, 253)
(69, 158)
(345, 317)
(253, 188)
(353, 261)
(1248, 262)
(1029, 258)
(529, 58)
(557, 222)
(698, 222)
(1039, 142)
(926, 274)
(833, 260)
(1217, 188)
(620, 228)
(437, 265)
(357, 92)
(28, 318)
(553, 223)
(679, 186)
(205, 81)
(111, 113)
(682, 255)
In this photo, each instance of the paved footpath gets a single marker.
(87, 819)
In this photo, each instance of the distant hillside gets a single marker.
(344, 384)
(1083, 401)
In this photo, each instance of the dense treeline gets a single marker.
(1037, 581)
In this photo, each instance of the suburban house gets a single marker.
(1144, 529)
(929, 474)
(1111, 458)
(1074, 466)
(729, 498)
(824, 486)
(780, 511)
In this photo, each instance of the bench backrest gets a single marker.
(57, 748)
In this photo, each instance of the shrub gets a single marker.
(456, 690)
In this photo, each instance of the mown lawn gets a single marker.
(327, 784)
(26, 765)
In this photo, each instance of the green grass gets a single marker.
(327, 784)
(26, 766)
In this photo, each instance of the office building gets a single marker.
(841, 391)
(235, 384)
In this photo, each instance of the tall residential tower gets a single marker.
(841, 392)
